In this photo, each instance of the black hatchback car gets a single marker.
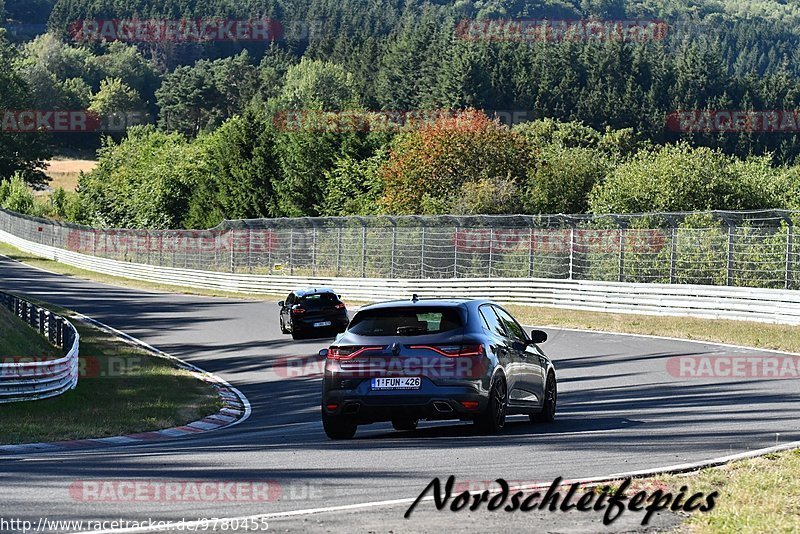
(403, 361)
(312, 312)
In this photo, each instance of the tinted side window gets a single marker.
(514, 329)
(491, 321)
(290, 299)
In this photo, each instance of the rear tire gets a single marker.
(337, 427)
(405, 425)
(283, 327)
(548, 413)
(297, 335)
(493, 419)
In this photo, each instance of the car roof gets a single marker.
(312, 291)
(439, 302)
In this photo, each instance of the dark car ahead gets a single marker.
(312, 312)
(403, 361)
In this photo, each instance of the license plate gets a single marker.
(323, 323)
(397, 383)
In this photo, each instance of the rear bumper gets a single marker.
(307, 325)
(430, 402)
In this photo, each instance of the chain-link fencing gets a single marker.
(753, 249)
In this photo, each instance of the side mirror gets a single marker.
(323, 353)
(538, 336)
(280, 303)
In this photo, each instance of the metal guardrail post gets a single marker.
(338, 250)
(789, 250)
(394, 248)
(531, 248)
(491, 250)
(673, 252)
(363, 249)
(789, 253)
(572, 252)
(314, 251)
(291, 251)
(729, 269)
(422, 254)
(623, 227)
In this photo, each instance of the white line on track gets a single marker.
(592, 481)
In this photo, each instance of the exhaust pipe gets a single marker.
(442, 407)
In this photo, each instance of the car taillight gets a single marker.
(452, 351)
(339, 306)
(298, 311)
(348, 353)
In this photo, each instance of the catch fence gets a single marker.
(749, 249)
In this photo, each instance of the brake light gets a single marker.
(339, 306)
(298, 311)
(452, 351)
(348, 353)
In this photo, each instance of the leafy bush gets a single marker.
(145, 181)
(682, 178)
(563, 179)
(428, 167)
(15, 196)
(353, 187)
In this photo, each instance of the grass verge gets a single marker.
(750, 334)
(121, 390)
(756, 496)
(18, 340)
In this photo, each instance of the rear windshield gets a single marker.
(319, 300)
(405, 321)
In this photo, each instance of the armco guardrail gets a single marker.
(765, 305)
(22, 380)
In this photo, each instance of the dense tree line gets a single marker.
(218, 147)
(463, 164)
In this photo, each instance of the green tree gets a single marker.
(113, 97)
(242, 167)
(354, 187)
(144, 181)
(23, 152)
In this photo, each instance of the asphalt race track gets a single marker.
(619, 410)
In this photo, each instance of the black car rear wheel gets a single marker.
(337, 427)
(493, 419)
(405, 424)
(548, 413)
